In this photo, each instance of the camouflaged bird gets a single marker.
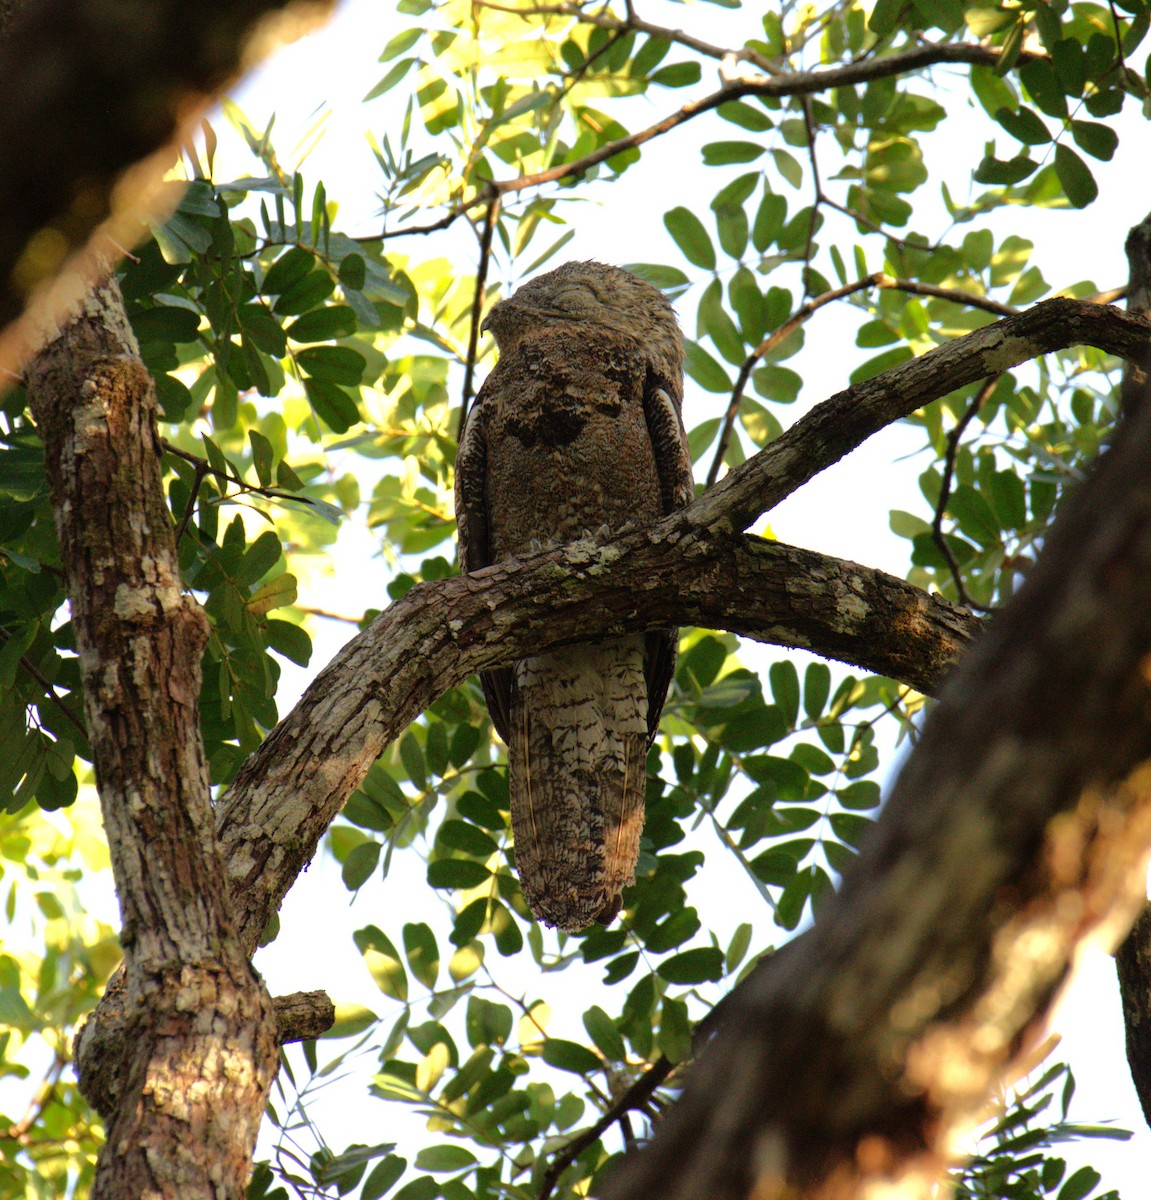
(578, 427)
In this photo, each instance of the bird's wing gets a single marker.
(475, 538)
(661, 405)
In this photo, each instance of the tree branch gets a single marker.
(287, 793)
(1133, 958)
(877, 279)
(837, 425)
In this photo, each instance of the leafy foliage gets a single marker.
(309, 381)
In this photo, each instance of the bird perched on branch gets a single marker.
(578, 427)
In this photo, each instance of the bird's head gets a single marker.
(593, 294)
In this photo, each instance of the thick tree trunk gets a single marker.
(198, 1053)
(89, 88)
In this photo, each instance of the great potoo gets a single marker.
(578, 427)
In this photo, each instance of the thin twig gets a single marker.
(953, 440)
(254, 489)
(200, 469)
(634, 1099)
(18, 1131)
(877, 226)
(30, 668)
(634, 23)
(878, 279)
(810, 132)
(489, 224)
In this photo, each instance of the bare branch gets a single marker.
(303, 1016)
(954, 439)
(489, 225)
(836, 426)
(287, 793)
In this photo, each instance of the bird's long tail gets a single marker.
(578, 743)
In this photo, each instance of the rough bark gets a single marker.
(87, 89)
(200, 1031)
(1018, 827)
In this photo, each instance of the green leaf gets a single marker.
(309, 292)
(862, 794)
(785, 688)
(746, 116)
(383, 1177)
(704, 369)
(714, 322)
(769, 221)
(335, 364)
(674, 1030)
(1100, 141)
(693, 966)
(166, 323)
(719, 154)
(570, 1056)
(997, 171)
(458, 873)
(488, 1023)
(323, 324)
(463, 835)
(334, 406)
(353, 272)
(603, 1032)
(1081, 1184)
(788, 166)
(382, 961)
(885, 17)
(737, 947)
(1075, 177)
(677, 75)
(360, 865)
(974, 515)
(1024, 125)
(1041, 81)
(412, 756)
(691, 237)
(422, 953)
(262, 456)
(445, 1157)
(259, 558)
(287, 270)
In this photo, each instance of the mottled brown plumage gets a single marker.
(578, 427)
